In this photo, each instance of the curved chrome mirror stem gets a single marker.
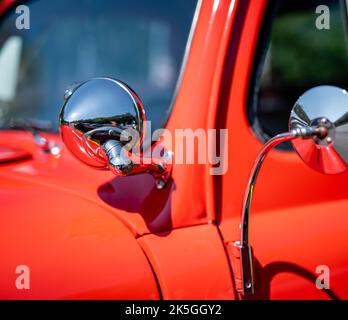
(320, 119)
(243, 251)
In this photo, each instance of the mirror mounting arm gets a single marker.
(121, 164)
(242, 251)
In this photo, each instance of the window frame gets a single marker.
(264, 39)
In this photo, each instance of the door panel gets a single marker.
(298, 216)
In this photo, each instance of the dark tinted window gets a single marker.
(298, 57)
(138, 41)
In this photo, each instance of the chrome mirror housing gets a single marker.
(325, 106)
(102, 122)
(318, 130)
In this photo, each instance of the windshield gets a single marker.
(140, 42)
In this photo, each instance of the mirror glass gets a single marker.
(96, 111)
(327, 106)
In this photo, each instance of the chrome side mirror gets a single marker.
(318, 129)
(326, 107)
(102, 122)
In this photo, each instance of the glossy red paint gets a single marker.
(135, 201)
(10, 154)
(86, 234)
(72, 254)
(184, 257)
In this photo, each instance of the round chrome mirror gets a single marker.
(323, 106)
(101, 122)
(98, 111)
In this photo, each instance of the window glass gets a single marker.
(307, 48)
(137, 41)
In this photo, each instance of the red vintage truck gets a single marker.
(161, 229)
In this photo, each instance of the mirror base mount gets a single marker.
(122, 163)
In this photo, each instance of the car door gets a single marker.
(298, 222)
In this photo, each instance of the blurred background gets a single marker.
(143, 43)
(140, 42)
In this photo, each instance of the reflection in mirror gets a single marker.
(323, 106)
(102, 122)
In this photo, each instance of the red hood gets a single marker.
(10, 154)
(134, 200)
(70, 243)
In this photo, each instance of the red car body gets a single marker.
(88, 235)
